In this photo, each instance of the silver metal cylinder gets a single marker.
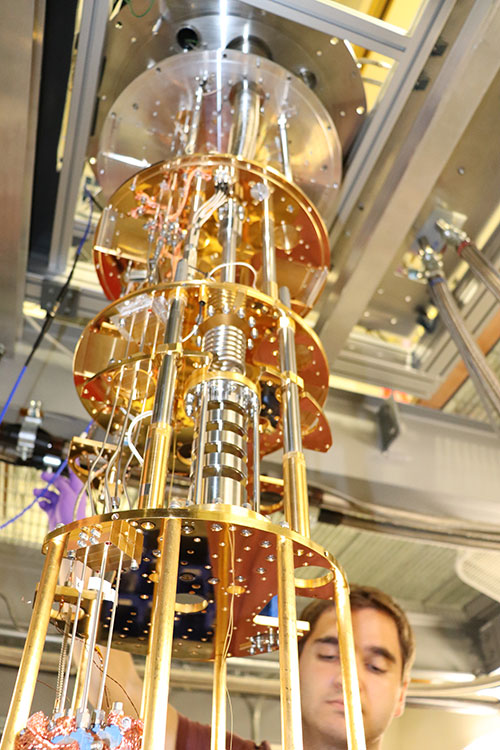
(285, 154)
(269, 277)
(219, 470)
(245, 128)
(228, 345)
(229, 237)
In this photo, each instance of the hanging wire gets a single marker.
(50, 315)
(139, 15)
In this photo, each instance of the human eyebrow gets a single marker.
(329, 640)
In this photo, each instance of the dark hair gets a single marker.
(367, 597)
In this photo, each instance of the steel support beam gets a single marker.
(400, 84)
(86, 80)
(440, 465)
(392, 205)
(21, 42)
(343, 22)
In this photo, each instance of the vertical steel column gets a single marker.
(24, 689)
(291, 716)
(295, 497)
(285, 154)
(350, 685)
(269, 285)
(245, 128)
(156, 681)
(229, 236)
(197, 489)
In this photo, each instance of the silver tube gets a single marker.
(483, 268)
(484, 378)
(93, 636)
(195, 121)
(73, 633)
(245, 128)
(110, 636)
(292, 436)
(200, 445)
(285, 154)
(229, 236)
(269, 285)
(256, 459)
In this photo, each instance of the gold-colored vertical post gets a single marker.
(80, 674)
(218, 733)
(352, 700)
(222, 603)
(291, 718)
(156, 682)
(30, 662)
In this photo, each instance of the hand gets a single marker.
(59, 500)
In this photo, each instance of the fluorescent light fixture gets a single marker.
(139, 163)
(486, 742)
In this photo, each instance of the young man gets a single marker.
(385, 649)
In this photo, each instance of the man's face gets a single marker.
(379, 666)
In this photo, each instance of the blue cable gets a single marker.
(50, 314)
(7, 403)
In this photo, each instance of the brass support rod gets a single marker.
(218, 733)
(295, 496)
(160, 638)
(82, 667)
(291, 717)
(223, 603)
(352, 701)
(24, 689)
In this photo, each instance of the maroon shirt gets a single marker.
(194, 736)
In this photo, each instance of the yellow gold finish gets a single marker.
(291, 718)
(30, 662)
(83, 661)
(224, 604)
(350, 684)
(291, 377)
(160, 641)
(295, 497)
(119, 536)
(300, 237)
(155, 466)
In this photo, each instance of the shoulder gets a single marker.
(194, 736)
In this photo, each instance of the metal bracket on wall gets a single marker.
(388, 423)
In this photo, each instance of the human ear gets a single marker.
(400, 704)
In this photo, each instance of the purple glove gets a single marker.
(59, 505)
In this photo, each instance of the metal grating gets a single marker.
(16, 492)
(421, 576)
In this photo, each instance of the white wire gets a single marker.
(131, 426)
(235, 263)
